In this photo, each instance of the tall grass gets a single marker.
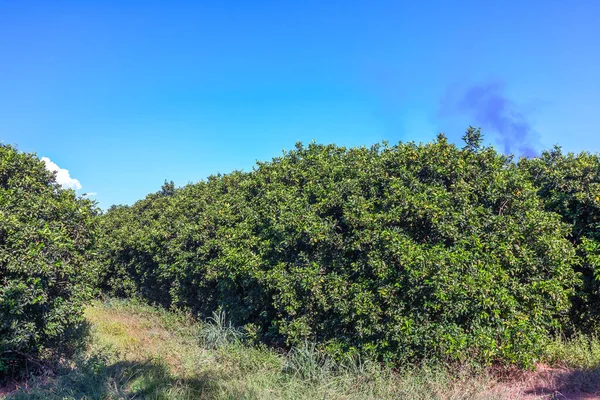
(141, 352)
(218, 332)
(581, 351)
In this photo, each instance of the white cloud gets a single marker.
(62, 175)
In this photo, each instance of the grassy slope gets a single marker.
(137, 351)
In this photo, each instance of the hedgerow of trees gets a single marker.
(401, 252)
(46, 251)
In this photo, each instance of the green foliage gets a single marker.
(473, 138)
(405, 252)
(46, 238)
(569, 185)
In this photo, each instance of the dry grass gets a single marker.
(139, 336)
(141, 352)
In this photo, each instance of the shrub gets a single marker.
(403, 252)
(46, 234)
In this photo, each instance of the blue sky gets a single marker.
(126, 94)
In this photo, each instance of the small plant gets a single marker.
(218, 332)
(308, 363)
(357, 366)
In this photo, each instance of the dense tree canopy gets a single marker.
(404, 252)
(569, 185)
(46, 248)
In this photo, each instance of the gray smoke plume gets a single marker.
(490, 109)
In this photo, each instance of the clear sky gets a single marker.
(125, 94)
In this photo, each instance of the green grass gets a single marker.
(581, 352)
(140, 352)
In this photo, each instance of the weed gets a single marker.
(219, 332)
(307, 363)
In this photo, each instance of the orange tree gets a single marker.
(46, 243)
(569, 184)
(401, 252)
